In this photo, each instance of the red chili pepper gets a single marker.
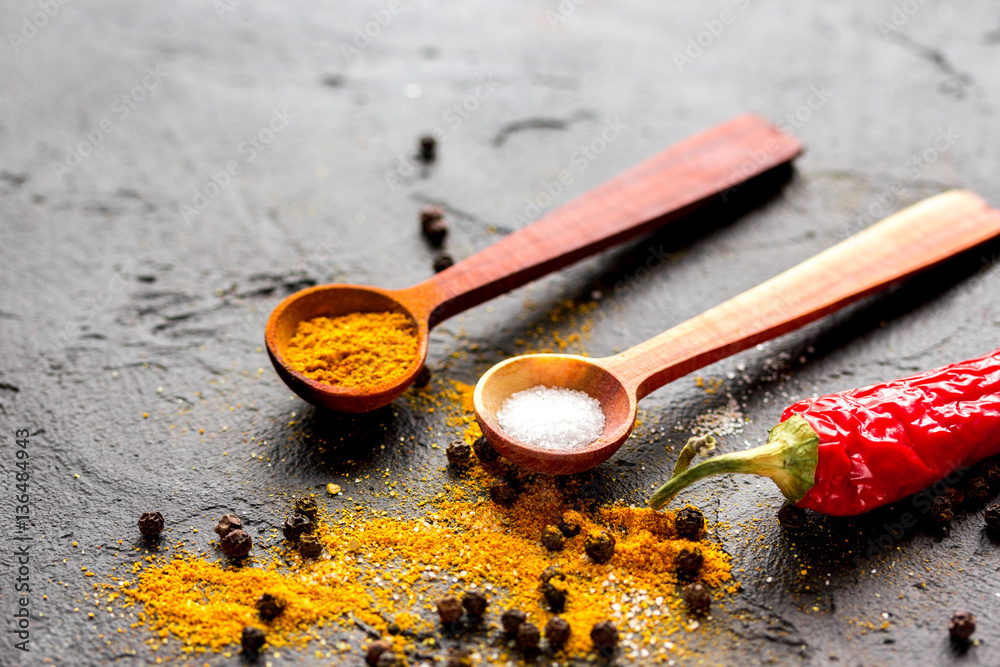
(851, 452)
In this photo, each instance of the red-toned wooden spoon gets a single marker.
(661, 189)
(903, 244)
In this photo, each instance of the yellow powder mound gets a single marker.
(355, 350)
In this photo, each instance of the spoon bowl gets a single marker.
(903, 244)
(334, 301)
(665, 187)
(555, 370)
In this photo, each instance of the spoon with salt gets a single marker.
(665, 187)
(903, 244)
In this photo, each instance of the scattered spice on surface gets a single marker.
(528, 637)
(252, 639)
(237, 544)
(690, 522)
(433, 226)
(295, 525)
(442, 261)
(227, 524)
(552, 418)
(791, 517)
(992, 517)
(557, 631)
(600, 545)
(459, 454)
(151, 523)
(361, 350)
(449, 609)
(962, 625)
(552, 538)
(475, 603)
(484, 450)
(697, 598)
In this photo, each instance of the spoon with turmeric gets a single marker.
(903, 244)
(354, 348)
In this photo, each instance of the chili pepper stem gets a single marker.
(789, 458)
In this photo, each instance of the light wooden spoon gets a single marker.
(663, 188)
(901, 245)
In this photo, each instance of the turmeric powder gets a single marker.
(360, 350)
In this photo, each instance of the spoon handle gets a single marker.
(903, 244)
(662, 188)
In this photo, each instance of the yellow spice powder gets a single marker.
(355, 350)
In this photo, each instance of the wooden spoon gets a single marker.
(663, 188)
(903, 244)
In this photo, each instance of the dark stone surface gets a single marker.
(115, 303)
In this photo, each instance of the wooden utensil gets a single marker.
(903, 244)
(663, 188)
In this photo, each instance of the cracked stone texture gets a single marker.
(117, 301)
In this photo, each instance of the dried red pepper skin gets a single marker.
(885, 442)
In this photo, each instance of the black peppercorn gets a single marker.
(502, 493)
(449, 609)
(252, 639)
(978, 489)
(599, 545)
(310, 546)
(557, 632)
(295, 526)
(552, 572)
(528, 637)
(569, 525)
(151, 523)
(605, 637)
(697, 598)
(442, 261)
(941, 511)
(962, 625)
(512, 620)
(791, 517)
(459, 454)
(433, 226)
(689, 523)
(475, 603)
(991, 471)
(269, 607)
(555, 596)
(428, 148)
(375, 649)
(689, 563)
(389, 659)
(227, 524)
(484, 450)
(307, 507)
(237, 544)
(955, 496)
(992, 516)
(423, 377)
(552, 538)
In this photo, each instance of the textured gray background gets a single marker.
(113, 304)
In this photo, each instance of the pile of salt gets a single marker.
(552, 418)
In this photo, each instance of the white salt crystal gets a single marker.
(552, 418)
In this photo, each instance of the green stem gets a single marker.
(696, 446)
(789, 458)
